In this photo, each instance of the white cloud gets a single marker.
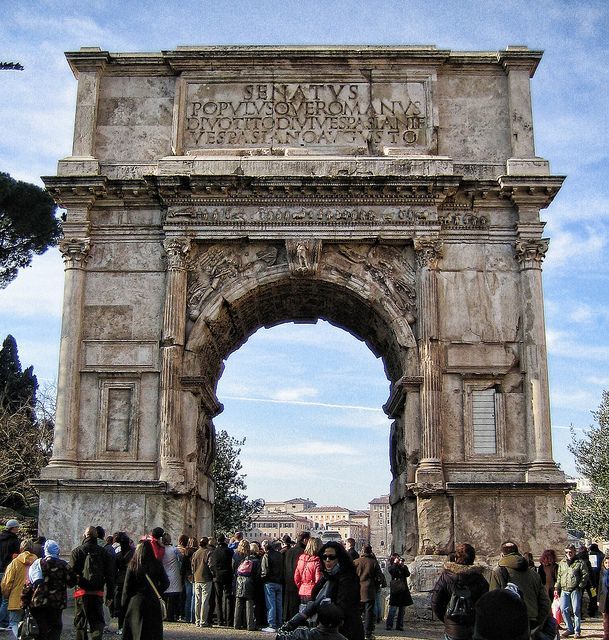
(294, 394)
(567, 245)
(309, 448)
(571, 398)
(326, 405)
(563, 344)
(601, 381)
(37, 291)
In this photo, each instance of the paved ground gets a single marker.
(420, 630)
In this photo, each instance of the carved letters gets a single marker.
(354, 114)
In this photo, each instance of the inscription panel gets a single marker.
(361, 116)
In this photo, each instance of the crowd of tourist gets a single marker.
(302, 590)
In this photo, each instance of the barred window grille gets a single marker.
(484, 419)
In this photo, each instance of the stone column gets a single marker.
(428, 251)
(172, 349)
(75, 252)
(530, 253)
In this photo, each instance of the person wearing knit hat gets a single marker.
(50, 576)
(501, 615)
(9, 549)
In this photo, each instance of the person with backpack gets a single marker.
(47, 597)
(94, 569)
(248, 575)
(456, 592)
(513, 567)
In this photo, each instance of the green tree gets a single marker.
(232, 509)
(28, 225)
(26, 429)
(589, 512)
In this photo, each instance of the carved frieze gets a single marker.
(356, 215)
(463, 220)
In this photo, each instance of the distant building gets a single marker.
(326, 522)
(275, 525)
(295, 505)
(323, 517)
(380, 526)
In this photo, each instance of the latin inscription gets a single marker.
(306, 114)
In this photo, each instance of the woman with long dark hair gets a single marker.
(143, 617)
(340, 583)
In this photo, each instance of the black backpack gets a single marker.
(93, 572)
(460, 606)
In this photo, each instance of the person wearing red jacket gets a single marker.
(308, 570)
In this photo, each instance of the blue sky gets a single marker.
(308, 397)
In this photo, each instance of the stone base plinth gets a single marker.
(67, 507)
(529, 514)
(432, 521)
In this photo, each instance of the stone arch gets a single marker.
(356, 302)
(360, 302)
(410, 224)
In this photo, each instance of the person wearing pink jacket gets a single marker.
(308, 570)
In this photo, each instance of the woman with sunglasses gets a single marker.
(341, 584)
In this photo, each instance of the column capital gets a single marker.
(530, 253)
(177, 250)
(75, 252)
(428, 250)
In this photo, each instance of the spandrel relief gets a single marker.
(212, 268)
(303, 255)
(390, 268)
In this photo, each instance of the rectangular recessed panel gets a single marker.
(119, 420)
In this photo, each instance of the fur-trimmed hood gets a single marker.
(462, 569)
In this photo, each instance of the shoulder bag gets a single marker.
(158, 595)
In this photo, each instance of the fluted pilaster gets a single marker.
(75, 253)
(530, 254)
(428, 252)
(172, 347)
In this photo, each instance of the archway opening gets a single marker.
(308, 399)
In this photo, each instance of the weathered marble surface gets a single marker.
(215, 190)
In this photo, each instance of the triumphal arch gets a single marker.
(393, 191)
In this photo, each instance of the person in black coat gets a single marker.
(459, 574)
(221, 567)
(291, 599)
(143, 615)
(123, 556)
(399, 593)
(340, 583)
